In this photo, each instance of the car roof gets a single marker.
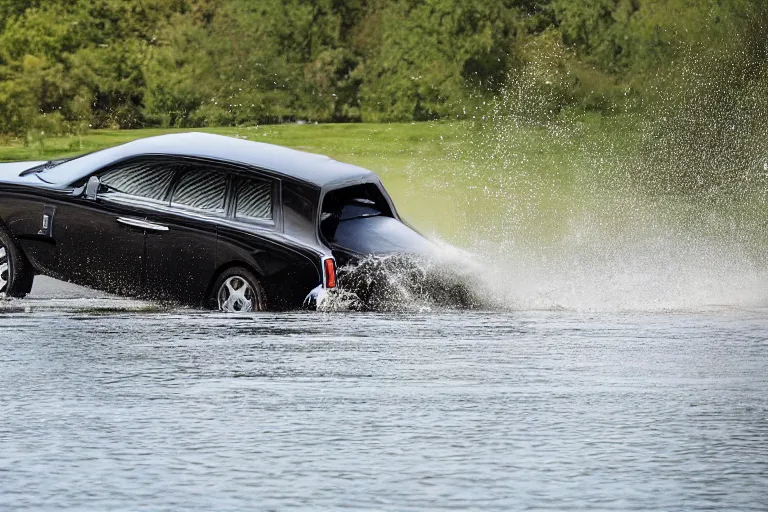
(317, 170)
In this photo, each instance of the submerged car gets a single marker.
(195, 218)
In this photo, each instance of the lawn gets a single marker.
(366, 144)
(488, 182)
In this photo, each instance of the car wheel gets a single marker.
(16, 275)
(238, 291)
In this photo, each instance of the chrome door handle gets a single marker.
(142, 224)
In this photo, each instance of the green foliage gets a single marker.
(636, 47)
(426, 59)
(70, 65)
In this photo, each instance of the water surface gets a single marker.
(544, 410)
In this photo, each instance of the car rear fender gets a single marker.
(287, 267)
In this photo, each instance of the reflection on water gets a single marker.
(311, 411)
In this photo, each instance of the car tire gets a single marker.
(237, 290)
(16, 275)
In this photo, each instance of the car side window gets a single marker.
(202, 190)
(141, 179)
(254, 199)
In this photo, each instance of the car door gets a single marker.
(255, 237)
(101, 242)
(181, 259)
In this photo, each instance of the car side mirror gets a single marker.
(92, 188)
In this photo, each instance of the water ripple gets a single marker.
(421, 411)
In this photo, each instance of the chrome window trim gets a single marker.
(232, 169)
(142, 202)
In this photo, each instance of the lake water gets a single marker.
(109, 409)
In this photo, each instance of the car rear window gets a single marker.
(202, 190)
(254, 199)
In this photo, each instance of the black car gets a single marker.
(195, 218)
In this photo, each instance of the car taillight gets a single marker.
(330, 273)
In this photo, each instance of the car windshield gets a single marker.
(357, 208)
(48, 167)
(350, 203)
(44, 166)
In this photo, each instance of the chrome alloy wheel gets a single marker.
(236, 296)
(5, 270)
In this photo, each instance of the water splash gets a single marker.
(588, 270)
(592, 270)
(660, 208)
(402, 282)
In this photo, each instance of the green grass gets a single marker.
(369, 144)
(470, 183)
(449, 179)
(504, 189)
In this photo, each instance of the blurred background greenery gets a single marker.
(67, 66)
